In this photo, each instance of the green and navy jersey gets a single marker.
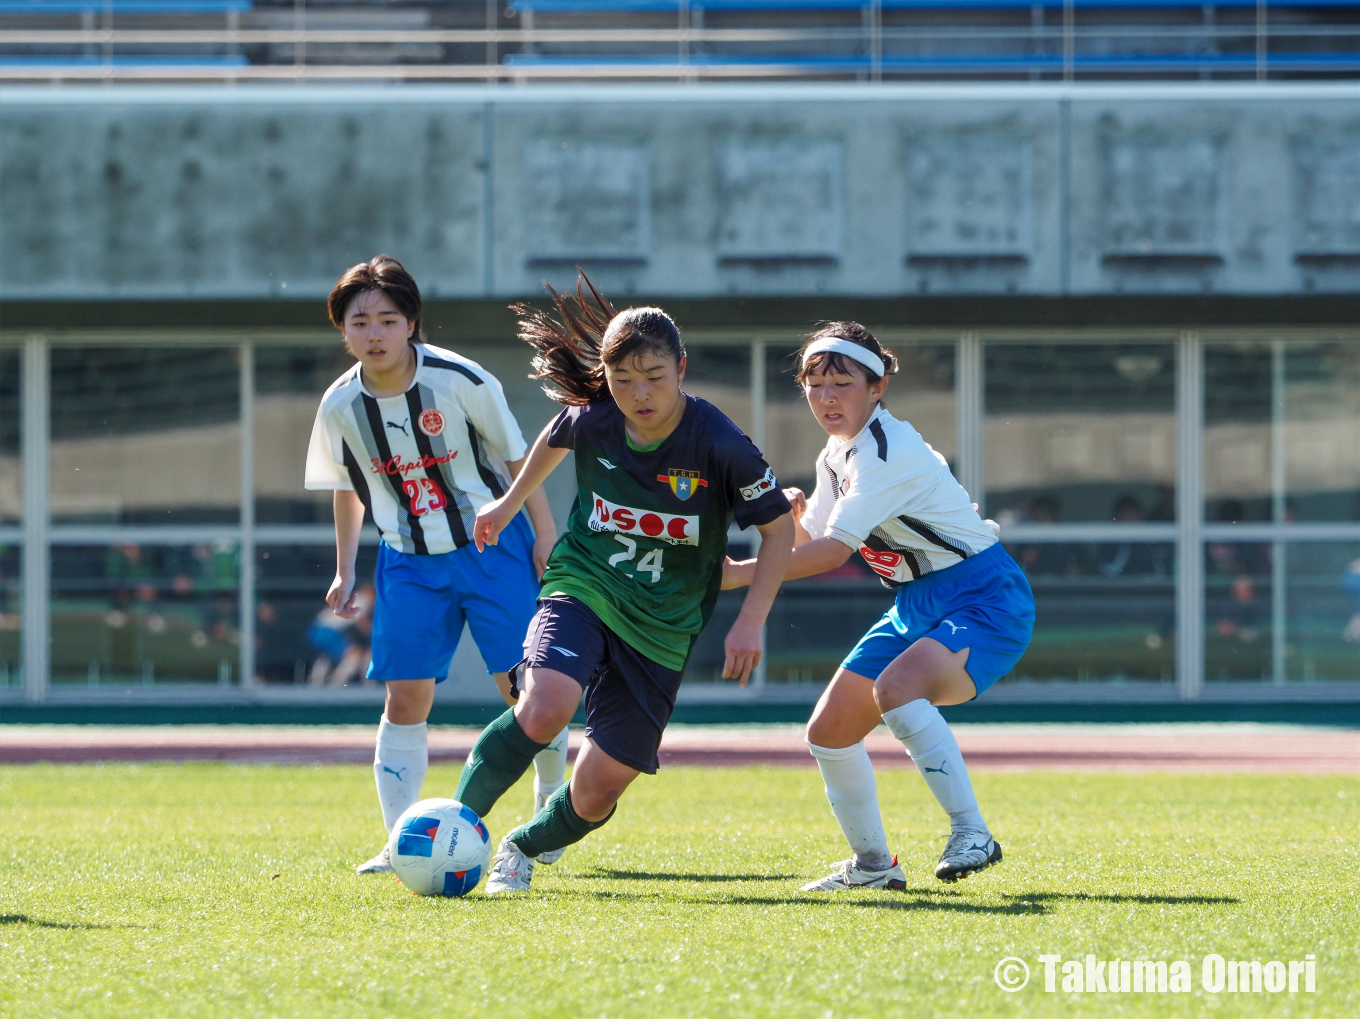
(645, 543)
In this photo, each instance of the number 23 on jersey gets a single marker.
(423, 495)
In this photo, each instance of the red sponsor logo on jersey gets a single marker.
(431, 422)
(396, 465)
(884, 562)
(669, 527)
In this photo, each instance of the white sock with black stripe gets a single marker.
(848, 775)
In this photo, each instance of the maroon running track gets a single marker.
(1135, 749)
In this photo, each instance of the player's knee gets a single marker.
(821, 732)
(408, 702)
(897, 687)
(543, 717)
(594, 802)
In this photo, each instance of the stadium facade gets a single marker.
(1127, 314)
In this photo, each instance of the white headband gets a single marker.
(836, 345)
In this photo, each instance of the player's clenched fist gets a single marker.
(797, 501)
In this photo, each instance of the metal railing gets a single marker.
(1057, 44)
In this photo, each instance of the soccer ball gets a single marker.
(439, 847)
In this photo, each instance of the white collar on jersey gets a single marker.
(836, 345)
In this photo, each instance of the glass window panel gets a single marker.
(1321, 409)
(11, 614)
(145, 435)
(11, 471)
(1238, 625)
(722, 376)
(1104, 612)
(1080, 432)
(922, 392)
(298, 639)
(289, 383)
(145, 615)
(1323, 612)
(1237, 439)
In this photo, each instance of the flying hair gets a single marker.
(574, 347)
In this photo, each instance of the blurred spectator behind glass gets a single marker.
(1047, 559)
(1351, 584)
(1131, 559)
(1240, 615)
(344, 646)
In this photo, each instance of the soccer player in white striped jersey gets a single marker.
(962, 616)
(422, 439)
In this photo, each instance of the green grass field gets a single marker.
(224, 890)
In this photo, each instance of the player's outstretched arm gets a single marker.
(496, 515)
(813, 556)
(745, 642)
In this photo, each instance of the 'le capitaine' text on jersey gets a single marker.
(887, 494)
(645, 543)
(424, 462)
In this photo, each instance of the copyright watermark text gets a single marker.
(1217, 975)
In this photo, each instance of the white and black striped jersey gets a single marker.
(889, 495)
(424, 462)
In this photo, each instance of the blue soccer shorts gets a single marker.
(424, 600)
(983, 603)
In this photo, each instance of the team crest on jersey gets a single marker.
(683, 483)
(766, 484)
(431, 422)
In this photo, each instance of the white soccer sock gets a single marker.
(399, 765)
(550, 767)
(926, 735)
(850, 786)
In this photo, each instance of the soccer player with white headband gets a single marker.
(962, 617)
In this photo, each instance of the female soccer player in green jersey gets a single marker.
(660, 476)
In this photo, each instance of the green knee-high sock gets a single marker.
(500, 756)
(556, 826)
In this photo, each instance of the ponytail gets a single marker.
(572, 350)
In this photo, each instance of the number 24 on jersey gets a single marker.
(650, 563)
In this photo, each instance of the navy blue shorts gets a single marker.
(983, 603)
(629, 697)
(424, 600)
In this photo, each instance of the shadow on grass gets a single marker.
(608, 873)
(890, 900)
(1151, 900)
(31, 921)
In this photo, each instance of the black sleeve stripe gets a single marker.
(375, 423)
(876, 429)
(455, 518)
(489, 478)
(357, 479)
(935, 537)
(453, 366)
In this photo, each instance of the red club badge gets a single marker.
(431, 422)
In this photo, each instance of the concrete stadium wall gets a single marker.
(155, 193)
